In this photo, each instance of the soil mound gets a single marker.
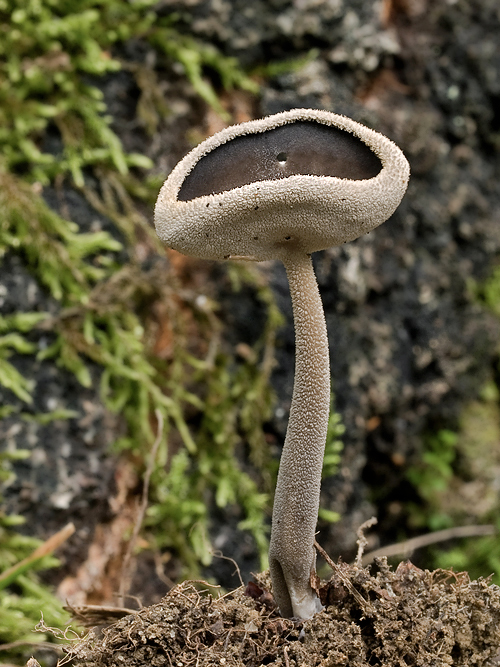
(395, 618)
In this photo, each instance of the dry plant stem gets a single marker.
(406, 548)
(362, 541)
(90, 615)
(219, 554)
(34, 645)
(292, 558)
(357, 596)
(48, 547)
(125, 578)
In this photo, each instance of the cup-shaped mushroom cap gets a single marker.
(301, 180)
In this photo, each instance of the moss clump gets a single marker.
(52, 58)
(22, 597)
(456, 480)
(104, 312)
(457, 477)
(51, 51)
(99, 320)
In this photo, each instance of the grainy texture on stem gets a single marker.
(283, 187)
(291, 554)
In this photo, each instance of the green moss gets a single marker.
(479, 556)
(463, 485)
(279, 67)
(457, 482)
(431, 478)
(333, 456)
(334, 444)
(22, 597)
(458, 476)
(52, 55)
(101, 323)
(195, 58)
(20, 611)
(231, 406)
(214, 401)
(50, 50)
(67, 262)
(488, 292)
(472, 496)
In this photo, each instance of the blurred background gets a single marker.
(129, 373)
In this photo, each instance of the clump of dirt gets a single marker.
(391, 619)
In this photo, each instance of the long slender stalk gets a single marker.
(291, 554)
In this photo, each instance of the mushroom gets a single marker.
(283, 187)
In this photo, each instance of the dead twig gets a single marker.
(219, 554)
(125, 578)
(90, 615)
(160, 570)
(33, 645)
(338, 571)
(406, 548)
(48, 547)
(362, 541)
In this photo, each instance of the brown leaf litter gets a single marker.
(402, 618)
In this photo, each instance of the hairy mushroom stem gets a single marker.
(292, 557)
